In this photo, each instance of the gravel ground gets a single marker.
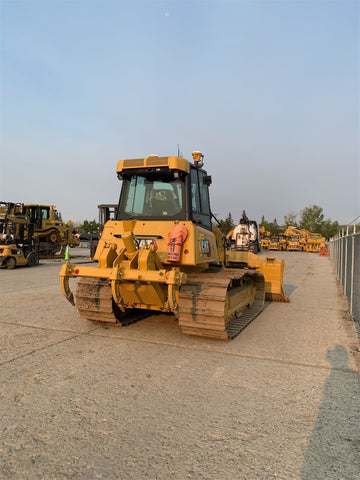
(80, 401)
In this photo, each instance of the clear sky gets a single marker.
(267, 90)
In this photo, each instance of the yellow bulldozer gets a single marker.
(53, 234)
(50, 233)
(163, 253)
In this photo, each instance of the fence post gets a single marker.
(352, 272)
(345, 256)
(345, 240)
(341, 245)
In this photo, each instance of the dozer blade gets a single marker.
(272, 269)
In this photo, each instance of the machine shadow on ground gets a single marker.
(333, 451)
(289, 289)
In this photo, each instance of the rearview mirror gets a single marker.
(207, 180)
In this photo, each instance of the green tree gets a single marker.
(227, 224)
(275, 229)
(312, 219)
(267, 225)
(290, 219)
(329, 228)
(244, 217)
(89, 227)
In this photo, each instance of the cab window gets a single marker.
(200, 205)
(148, 196)
(45, 213)
(195, 197)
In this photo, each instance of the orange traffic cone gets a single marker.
(323, 252)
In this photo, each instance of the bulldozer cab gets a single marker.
(43, 215)
(163, 193)
(38, 213)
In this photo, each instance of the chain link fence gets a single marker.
(344, 250)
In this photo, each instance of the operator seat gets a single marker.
(163, 203)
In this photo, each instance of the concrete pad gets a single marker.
(80, 401)
(19, 341)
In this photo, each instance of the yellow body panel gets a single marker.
(273, 245)
(136, 276)
(12, 251)
(293, 246)
(265, 242)
(140, 275)
(205, 250)
(15, 252)
(282, 244)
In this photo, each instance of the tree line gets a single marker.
(310, 218)
(87, 226)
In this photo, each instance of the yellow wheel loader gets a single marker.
(162, 253)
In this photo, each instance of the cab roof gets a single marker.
(173, 163)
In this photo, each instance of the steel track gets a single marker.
(95, 303)
(203, 303)
(204, 299)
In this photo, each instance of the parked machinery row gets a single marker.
(292, 240)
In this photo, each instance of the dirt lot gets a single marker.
(80, 401)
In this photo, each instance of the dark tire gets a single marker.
(10, 263)
(32, 260)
